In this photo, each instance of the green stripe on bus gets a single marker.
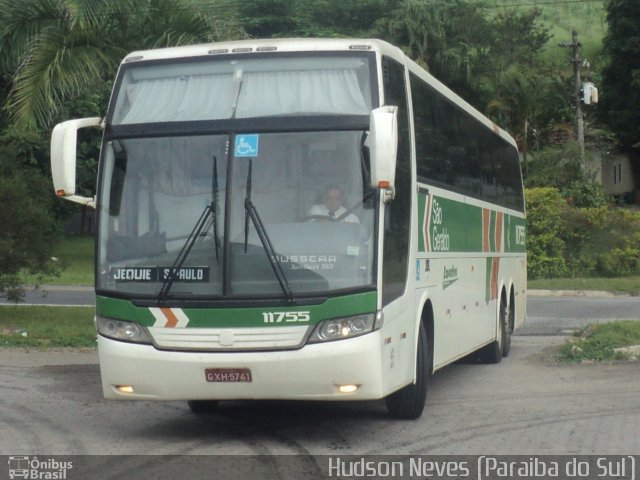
(241, 317)
(447, 225)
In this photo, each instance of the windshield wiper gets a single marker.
(251, 212)
(202, 225)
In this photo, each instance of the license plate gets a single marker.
(227, 374)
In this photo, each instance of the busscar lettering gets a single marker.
(308, 262)
(306, 258)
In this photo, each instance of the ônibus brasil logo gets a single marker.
(33, 468)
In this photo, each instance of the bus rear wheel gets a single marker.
(408, 402)
(509, 323)
(493, 352)
(202, 406)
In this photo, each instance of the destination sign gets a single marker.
(158, 274)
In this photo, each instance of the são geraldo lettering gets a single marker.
(440, 240)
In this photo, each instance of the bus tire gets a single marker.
(492, 353)
(202, 406)
(408, 402)
(509, 323)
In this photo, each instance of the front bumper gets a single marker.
(313, 372)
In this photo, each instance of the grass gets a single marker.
(597, 342)
(46, 327)
(74, 255)
(629, 285)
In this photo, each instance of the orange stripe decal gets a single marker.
(485, 229)
(498, 231)
(172, 321)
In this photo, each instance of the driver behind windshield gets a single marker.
(331, 206)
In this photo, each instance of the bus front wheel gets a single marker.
(408, 402)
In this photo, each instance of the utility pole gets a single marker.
(577, 85)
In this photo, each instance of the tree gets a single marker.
(514, 96)
(57, 59)
(301, 18)
(28, 229)
(620, 102)
(446, 38)
(57, 49)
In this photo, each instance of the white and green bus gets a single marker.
(219, 275)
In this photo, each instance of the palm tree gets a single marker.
(418, 26)
(56, 49)
(446, 38)
(515, 97)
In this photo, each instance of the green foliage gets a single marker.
(28, 229)
(545, 247)
(597, 342)
(583, 193)
(565, 240)
(300, 18)
(483, 57)
(58, 50)
(555, 166)
(456, 42)
(621, 77)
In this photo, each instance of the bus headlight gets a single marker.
(340, 328)
(121, 330)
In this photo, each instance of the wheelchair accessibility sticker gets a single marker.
(246, 145)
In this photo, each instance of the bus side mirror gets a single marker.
(63, 158)
(383, 148)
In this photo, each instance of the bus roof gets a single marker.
(266, 45)
(316, 45)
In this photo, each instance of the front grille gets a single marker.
(228, 339)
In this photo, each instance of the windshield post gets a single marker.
(214, 207)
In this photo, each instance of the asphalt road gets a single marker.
(557, 315)
(57, 295)
(51, 404)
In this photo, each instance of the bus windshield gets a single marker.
(162, 195)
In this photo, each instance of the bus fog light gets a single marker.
(124, 388)
(121, 330)
(341, 328)
(348, 388)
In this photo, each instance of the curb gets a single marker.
(576, 293)
(61, 288)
